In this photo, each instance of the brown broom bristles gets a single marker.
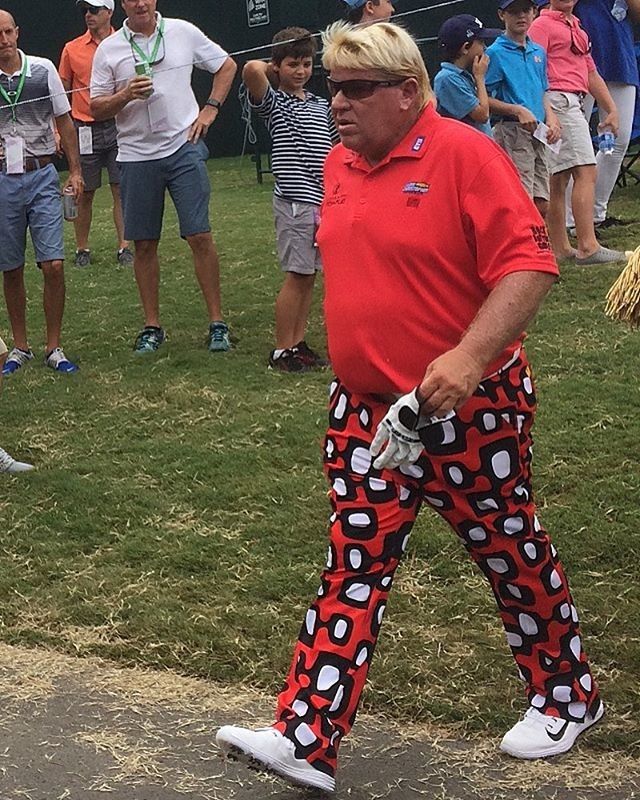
(623, 298)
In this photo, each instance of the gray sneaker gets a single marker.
(83, 258)
(11, 466)
(603, 255)
(125, 257)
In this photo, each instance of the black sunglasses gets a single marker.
(581, 45)
(91, 9)
(358, 89)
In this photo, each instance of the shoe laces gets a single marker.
(6, 462)
(20, 356)
(546, 721)
(56, 357)
(218, 331)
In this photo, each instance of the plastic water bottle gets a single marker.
(69, 204)
(619, 10)
(606, 143)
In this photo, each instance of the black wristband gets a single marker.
(214, 104)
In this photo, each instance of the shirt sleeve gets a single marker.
(65, 66)
(102, 78)
(59, 99)
(494, 76)
(455, 96)
(267, 105)
(503, 226)
(207, 55)
(333, 130)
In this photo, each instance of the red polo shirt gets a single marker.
(75, 66)
(413, 246)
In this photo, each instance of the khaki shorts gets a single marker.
(296, 225)
(577, 147)
(529, 155)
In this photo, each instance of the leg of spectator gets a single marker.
(582, 200)
(207, 267)
(556, 215)
(16, 299)
(54, 294)
(147, 271)
(608, 166)
(83, 222)
(117, 215)
(292, 308)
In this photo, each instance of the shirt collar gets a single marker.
(414, 145)
(88, 38)
(506, 42)
(561, 16)
(130, 33)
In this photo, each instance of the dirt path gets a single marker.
(75, 729)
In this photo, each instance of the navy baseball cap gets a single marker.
(502, 4)
(354, 3)
(465, 28)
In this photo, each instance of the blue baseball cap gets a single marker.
(354, 3)
(502, 4)
(464, 28)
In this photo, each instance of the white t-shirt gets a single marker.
(156, 127)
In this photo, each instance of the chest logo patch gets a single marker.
(416, 187)
(417, 145)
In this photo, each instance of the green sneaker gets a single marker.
(149, 340)
(219, 341)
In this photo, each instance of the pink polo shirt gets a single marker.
(568, 68)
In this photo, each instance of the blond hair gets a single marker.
(382, 47)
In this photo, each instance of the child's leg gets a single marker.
(542, 205)
(556, 215)
(582, 203)
(292, 309)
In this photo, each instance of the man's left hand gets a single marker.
(76, 182)
(201, 126)
(397, 430)
(449, 382)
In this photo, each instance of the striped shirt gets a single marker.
(34, 119)
(303, 132)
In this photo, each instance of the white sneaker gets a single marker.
(10, 465)
(267, 749)
(540, 735)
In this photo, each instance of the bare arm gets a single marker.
(255, 76)
(518, 113)
(107, 106)
(598, 88)
(552, 121)
(634, 9)
(453, 377)
(481, 112)
(70, 145)
(222, 81)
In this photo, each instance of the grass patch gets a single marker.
(177, 518)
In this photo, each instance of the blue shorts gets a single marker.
(143, 188)
(31, 200)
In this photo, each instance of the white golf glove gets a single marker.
(399, 431)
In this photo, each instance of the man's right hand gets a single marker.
(139, 88)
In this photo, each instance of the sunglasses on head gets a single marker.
(358, 89)
(91, 9)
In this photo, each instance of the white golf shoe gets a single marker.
(266, 749)
(540, 735)
(11, 466)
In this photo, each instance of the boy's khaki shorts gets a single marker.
(529, 155)
(577, 147)
(296, 225)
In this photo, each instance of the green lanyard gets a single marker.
(13, 97)
(147, 60)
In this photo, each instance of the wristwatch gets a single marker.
(214, 103)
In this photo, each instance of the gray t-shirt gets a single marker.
(34, 120)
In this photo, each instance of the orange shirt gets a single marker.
(75, 66)
(412, 247)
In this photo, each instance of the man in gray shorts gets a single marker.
(32, 97)
(142, 77)
(97, 140)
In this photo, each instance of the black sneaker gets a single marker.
(611, 222)
(149, 340)
(287, 361)
(309, 357)
(124, 257)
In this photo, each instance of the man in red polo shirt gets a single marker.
(435, 262)
(97, 140)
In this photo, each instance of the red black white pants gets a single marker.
(475, 471)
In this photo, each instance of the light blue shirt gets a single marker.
(517, 74)
(457, 95)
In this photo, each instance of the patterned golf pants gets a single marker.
(475, 472)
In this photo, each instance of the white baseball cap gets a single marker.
(97, 3)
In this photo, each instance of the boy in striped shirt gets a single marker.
(302, 132)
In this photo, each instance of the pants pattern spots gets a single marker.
(475, 472)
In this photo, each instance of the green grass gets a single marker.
(177, 517)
